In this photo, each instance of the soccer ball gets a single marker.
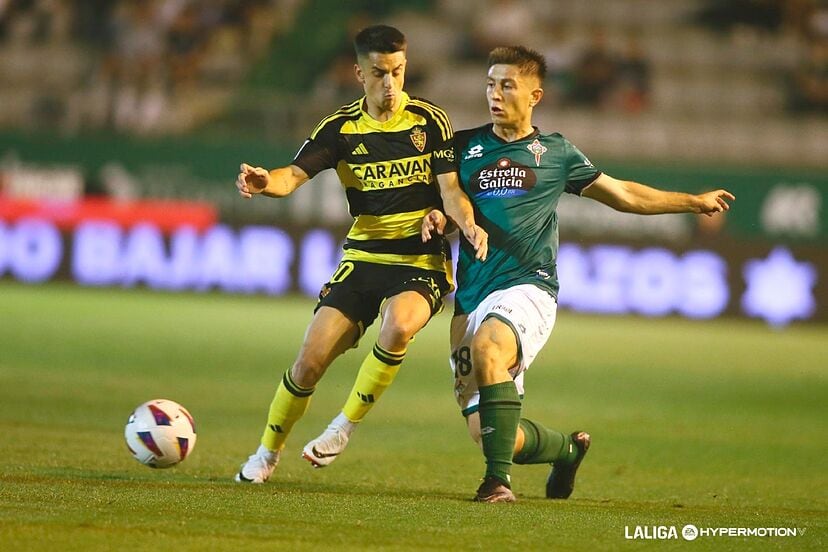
(160, 433)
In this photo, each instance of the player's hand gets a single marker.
(433, 223)
(479, 239)
(715, 202)
(251, 180)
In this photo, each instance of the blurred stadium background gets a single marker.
(122, 124)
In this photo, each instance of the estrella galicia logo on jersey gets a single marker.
(418, 138)
(503, 179)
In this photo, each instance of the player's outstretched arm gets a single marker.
(459, 209)
(632, 197)
(275, 183)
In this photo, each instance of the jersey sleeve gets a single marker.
(580, 172)
(320, 151)
(444, 158)
(443, 134)
(454, 148)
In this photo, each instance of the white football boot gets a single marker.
(323, 450)
(259, 466)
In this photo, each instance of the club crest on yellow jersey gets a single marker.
(418, 138)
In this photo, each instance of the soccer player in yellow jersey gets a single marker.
(390, 153)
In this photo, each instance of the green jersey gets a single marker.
(515, 187)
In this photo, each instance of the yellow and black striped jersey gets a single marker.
(388, 170)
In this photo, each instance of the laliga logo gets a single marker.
(660, 532)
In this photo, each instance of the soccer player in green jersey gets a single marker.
(505, 308)
(389, 152)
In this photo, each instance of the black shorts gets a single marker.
(357, 289)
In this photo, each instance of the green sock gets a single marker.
(544, 446)
(499, 417)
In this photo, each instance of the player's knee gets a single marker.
(486, 359)
(307, 370)
(397, 332)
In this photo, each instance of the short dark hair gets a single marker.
(529, 62)
(381, 39)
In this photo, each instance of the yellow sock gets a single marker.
(289, 404)
(375, 375)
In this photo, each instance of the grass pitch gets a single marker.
(717, 424)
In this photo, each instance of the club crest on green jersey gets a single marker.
(538, 150)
